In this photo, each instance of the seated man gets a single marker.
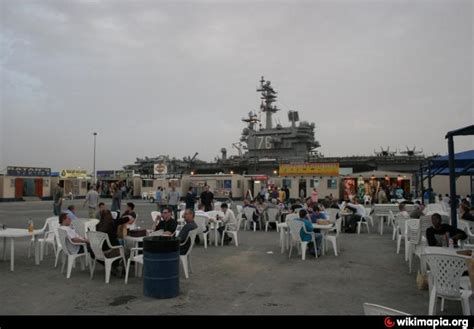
(129, 216)
(303, 216)
(229, 220)
(167, 223)
(358, 212)
(65, 222)
(418, 211)
(71, 211)
(435, 234)
(317, 214)
(102, 207)
(183, 234)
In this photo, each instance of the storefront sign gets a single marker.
(73, 173)
(259, 177)
(28, 171)
(328, 169)
(105, 173)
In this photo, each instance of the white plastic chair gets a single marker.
(374, 309)
(233, 232)
(363, 221)
(239, 209)
(392, 220)
(70, 257)
(273, 216)
(202, 223)
(114, 214)
(414, 240)
(48, 237)
(59, 246)
(295, 227)
(185, 259)
(368, 213)
(137, 259)
(446, 272)
(332, 238)
(97, 240)
(400, 233)
(154, 218)
(90, 226)
(332, 214)
(248, 212)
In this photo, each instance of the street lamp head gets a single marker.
(95, 134)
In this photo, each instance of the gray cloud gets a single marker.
(174, 78)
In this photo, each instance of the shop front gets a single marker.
(396, 185)
(302, 178)
(223, 186)
(74, 181)
(25, 182)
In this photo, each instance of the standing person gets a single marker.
(314, 196)
(158, 198)
(287, 196)
(92, 199)
(116, 199)
(173, 200)
(58, 199)
(190, 199)
(207, 198)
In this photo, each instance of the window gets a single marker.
(313, 183)
(238, 184)
(225, 184)
(147, 183)
(83, 185)
(287, 183)
(332, 183)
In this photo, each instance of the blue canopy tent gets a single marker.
(455, 165)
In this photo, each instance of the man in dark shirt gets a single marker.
(167, 223)
(442, 229)
(287, 195)
(184, 233)
(190, 199)
(206, 198)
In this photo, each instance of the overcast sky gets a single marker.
(176, 78)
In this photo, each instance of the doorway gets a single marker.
(302, 188)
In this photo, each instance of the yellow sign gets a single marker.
(73, 173)
(328, 169)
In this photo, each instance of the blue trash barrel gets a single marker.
(160, 267)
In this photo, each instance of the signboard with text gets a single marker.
(28, 171)
(73, 173)
(328, 169)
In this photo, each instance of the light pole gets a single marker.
(95, 174)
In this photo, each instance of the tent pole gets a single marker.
(452, 182)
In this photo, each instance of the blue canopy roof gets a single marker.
(463, 162)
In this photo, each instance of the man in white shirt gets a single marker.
(65, 223)
(229, 220)
(358, 212)
(201, 212)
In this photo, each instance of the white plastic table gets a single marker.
(12, 234)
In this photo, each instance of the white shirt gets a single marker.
(71, 233)
(360, 210)
(201, 213)
(228, 218)
(403, 214)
